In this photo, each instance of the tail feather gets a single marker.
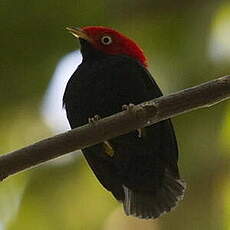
(163, 203)
(144, 204)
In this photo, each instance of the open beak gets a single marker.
(78, 33)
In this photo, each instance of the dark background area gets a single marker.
(186, 42)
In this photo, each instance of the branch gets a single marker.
(145, 114)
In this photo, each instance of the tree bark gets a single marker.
(135, 117)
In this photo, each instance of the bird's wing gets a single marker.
(146, 159)
(119, 81)
(130, 82)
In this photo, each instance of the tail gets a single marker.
(149, 205)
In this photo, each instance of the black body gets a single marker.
(143, 171)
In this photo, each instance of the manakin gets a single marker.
(139, 168)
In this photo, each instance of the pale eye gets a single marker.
(106, 40)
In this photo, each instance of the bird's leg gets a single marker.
(93, 120)
(108, 149)
(139, 133)
(128, 107)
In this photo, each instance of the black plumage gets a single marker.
(142, 172)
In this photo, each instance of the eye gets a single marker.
(106, 40)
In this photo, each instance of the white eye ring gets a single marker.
(106, 40)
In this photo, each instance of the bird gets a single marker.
(139, 168)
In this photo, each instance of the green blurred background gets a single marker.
(186, 42)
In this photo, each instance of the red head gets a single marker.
(110, 42)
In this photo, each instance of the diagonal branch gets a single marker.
(145, 114)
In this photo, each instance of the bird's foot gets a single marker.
(128, 107)
(139, 133)
(108, 149)
(93, 120)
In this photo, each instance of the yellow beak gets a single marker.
(78, 33)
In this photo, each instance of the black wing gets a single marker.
(138, 164)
